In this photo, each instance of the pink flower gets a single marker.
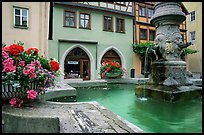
(5, 54)
(31, 94)
(37, 63)
(9, 68)
(8, 65)
(22, 63)
(8, 61)
(13, 102)
(29, 70)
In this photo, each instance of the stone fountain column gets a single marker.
(168, 69)
(168, 81)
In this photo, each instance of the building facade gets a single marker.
(86, 33)
(145, 32)
(194, 34)
(27, 22)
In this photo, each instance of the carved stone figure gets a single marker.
(159, 46)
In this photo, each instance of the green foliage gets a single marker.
(189, 51)
(140, 48)
(45, 63)
(3, 44)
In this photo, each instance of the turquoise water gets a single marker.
(152, 116)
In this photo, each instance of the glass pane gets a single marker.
(150, 12)
(109, 26)
(66, 22)
(71, 21)
(143, 34)
(24, 18)
(24, 21)
(17, 20)
(86, 23)
(66, 13)
(152, 35)
(71, 14)
(17, 11)
(86, 16)
(82, 23)
(81, 15)
(24, 12)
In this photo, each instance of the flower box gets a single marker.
(113, 74)
(25, 73)
(111, 70)
(9, 91)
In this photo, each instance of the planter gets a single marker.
(9, 91)
(113, 74)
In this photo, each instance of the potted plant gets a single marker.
(25, 74)
(111, 69)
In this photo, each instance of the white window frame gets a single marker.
(191, 35)
(21, 16)
(191, 15)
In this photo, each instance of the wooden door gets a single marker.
(85, 69)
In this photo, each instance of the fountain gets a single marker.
(168, 81)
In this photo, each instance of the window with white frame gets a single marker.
(192, 35)
(192, 16)
(20, 17)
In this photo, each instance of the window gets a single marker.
(143, 34)
(192, 16)
(84, 21)
(182, 35)
(69, 19)
(120, 25)
(21, 17)
(192, 35)
(122, 3)
(108, 23)
(142, 11)
(150, 12)
(151, 35)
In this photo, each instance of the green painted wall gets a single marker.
(105, 39)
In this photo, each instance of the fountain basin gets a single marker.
(169, 94)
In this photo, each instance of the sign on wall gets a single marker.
(73, 62)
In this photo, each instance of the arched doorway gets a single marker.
(77, 65)
(111, 55)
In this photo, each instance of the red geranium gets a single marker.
(54, 65)
(15, 49)
(108, 69)
(32, 49)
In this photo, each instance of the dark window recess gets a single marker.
(152, 35)
(142, 11)
(143, 34)
(192, 15)
(182, 37)
(69, 19)
(108, 24)
(120, 25)
(150, 12)
(192, 35)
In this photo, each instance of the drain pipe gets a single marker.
(134, 22)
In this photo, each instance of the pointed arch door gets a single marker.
(111, 55)
(77, 65)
